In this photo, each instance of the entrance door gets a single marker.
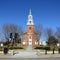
(30, 40)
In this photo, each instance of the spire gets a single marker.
(30, 18)
(30, 12)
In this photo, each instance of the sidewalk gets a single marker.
(32, 54)
(40, 56)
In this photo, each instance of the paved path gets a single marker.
(29, 48)
(29, 58)
(27, 53)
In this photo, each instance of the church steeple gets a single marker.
(30, 19)
(30, 13)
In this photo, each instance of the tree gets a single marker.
(49, 32)
(57, 34)
(38, 32)
(11, 28)
(51, 40)
(6, 43)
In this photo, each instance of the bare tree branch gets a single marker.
(58, 33)
(11, 28)
(38, 31)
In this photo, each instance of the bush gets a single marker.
(47, 48)
(43, 48)
(16, 48)
(1, 49)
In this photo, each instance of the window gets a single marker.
(30, 37)
(29, 27)
(30, 22)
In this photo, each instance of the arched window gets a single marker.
(30, 22)
(30, 37)
(29, 27)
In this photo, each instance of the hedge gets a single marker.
(1, 49)
(16, 48)
(43, 48)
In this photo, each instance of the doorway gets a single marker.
(30, 40)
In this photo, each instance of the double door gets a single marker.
(30, 40)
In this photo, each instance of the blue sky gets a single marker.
(45, 12)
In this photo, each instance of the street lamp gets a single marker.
(13, 46)
(58, 44)
(12, 39)
(58, 47)
(1, 45)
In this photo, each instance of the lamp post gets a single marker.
(1, 45)
(12, 39)
(13, 46)
(58, 44)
